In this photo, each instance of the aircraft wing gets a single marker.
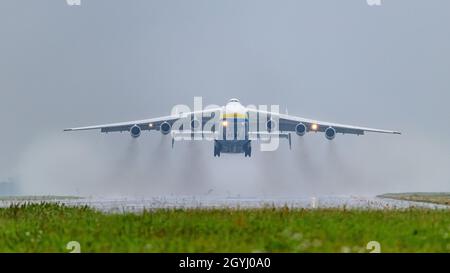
(288, 123)
(149, 124)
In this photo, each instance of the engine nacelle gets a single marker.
(271, 125)
(300, 129)
(165, 128)
(195, 124)
(135, 131)
(330, 133)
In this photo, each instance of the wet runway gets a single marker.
(134, 204)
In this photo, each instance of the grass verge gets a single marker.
(49, 227)
(441, 198)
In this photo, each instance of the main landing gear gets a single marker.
(248, 150)
(217, 150)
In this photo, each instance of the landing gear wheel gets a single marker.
(248, 151)
(216, 151)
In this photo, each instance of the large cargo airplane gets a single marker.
(232, 127)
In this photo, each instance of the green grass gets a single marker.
(441, 198)
(49, 227)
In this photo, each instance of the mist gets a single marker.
(111, 61)
(80, 165)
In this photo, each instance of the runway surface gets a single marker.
(134, 204)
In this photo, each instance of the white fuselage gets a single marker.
(234, 128)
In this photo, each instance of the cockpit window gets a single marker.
(234, 100)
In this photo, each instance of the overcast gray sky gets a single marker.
(117, 60)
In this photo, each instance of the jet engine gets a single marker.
(135, 131)
(330, 133)
(300, 129)
(195, 124)
(271, 125)
(165, 128)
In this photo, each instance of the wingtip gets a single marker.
(67, 130)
